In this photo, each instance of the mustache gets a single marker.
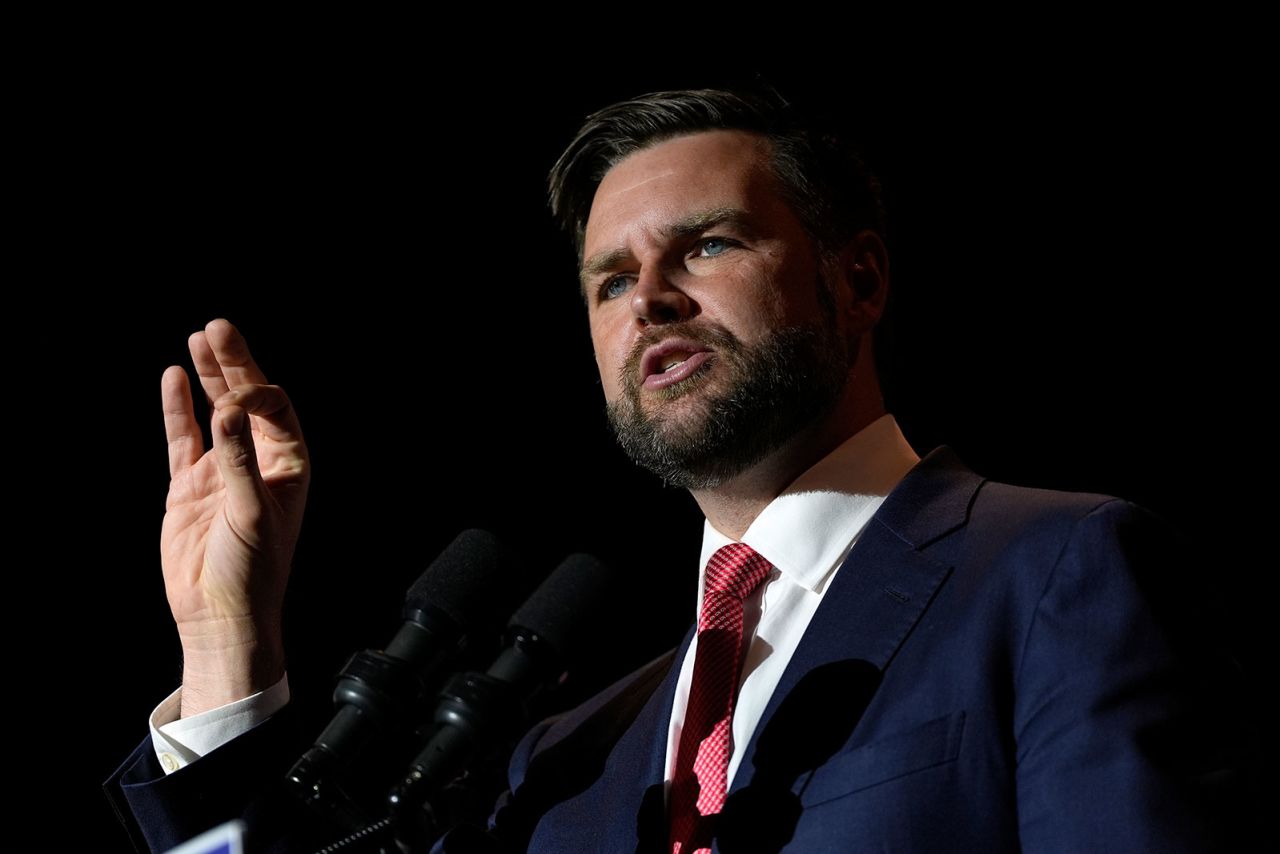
(713, 336)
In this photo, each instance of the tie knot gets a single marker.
(736, 569)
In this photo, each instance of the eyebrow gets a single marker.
(689, 226)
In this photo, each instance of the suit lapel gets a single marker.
(634, 777)
(653, 724)
(880, 591)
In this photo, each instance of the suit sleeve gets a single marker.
(240, 779)
(1130, 721)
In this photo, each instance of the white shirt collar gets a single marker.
(831, 503)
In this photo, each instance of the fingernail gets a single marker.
(233, 421)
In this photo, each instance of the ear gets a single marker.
(863, 280)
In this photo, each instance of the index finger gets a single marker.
(269, 403)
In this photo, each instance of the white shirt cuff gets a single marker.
(180, 741)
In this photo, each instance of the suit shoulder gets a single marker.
(1038, 504)
(943, 502)
(1052, 515)
(1019, 534)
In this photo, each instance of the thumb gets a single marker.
(237, 456)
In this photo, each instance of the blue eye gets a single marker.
(714, 240)
(613, 287)
(606, 289)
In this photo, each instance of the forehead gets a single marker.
(667, 182)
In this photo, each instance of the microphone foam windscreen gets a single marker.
(571, 606)
(475, 575)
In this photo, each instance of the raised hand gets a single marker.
(232, 519)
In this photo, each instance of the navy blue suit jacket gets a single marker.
(994, 668)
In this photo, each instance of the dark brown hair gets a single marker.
(821, 177)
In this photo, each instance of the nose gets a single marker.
(655, 300)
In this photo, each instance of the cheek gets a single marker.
(756, 310)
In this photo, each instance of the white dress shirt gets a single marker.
(181, 741)
(806, 533)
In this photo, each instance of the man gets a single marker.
(892, 653)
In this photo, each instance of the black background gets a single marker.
(1064, 241)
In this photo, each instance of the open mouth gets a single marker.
(672, 361)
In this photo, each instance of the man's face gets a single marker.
(714, 330)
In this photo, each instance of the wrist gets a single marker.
(220, 667)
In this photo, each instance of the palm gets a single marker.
(233, 513)
(210, 547)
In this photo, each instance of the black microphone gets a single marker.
(476, 709)
(471, 580)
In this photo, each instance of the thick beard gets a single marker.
(776, 388)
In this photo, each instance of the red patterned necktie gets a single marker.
(702, 758)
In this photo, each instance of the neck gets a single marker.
(732, 506)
